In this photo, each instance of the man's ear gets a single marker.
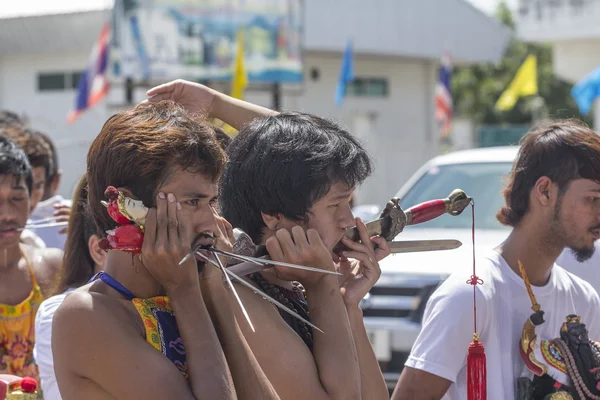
(271, 221)
(97, 254)
(55, 184)
(545, 191)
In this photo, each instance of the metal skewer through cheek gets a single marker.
(260, 292)
(237, 297)
(267, 262)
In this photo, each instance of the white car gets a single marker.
(394, 307)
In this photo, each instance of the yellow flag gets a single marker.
(240, 78)
(523, 84)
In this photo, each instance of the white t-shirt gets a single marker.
(50, 235)
(42, 350)
(503, 306)
(588, 270)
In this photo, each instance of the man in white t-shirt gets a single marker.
(552, 203)
(587, 270)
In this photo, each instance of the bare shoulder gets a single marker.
(85, 319)
(99, 347)
(88, 311)
(46, 264)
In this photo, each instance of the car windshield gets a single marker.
(482, 181)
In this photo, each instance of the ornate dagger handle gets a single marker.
(454, 205)
(393, 219)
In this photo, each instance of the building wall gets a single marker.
(574, 59)
(401, 134)
(398, 130)
(47, 111)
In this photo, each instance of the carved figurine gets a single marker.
(131, 215)
(564, 368)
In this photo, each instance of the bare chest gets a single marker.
(15, 285)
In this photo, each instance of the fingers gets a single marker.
(314, 238)
(364, 236)
(383, 248)
(161, 89)
(368, 265)
(228, 229)
(162, 234)
(299, 237)
(159, 97)
(285, 242)
(172, 224)
(274, 248)
(357, 247)
(150, 229)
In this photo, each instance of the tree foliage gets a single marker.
(477, 88)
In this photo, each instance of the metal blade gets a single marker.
(232, 289)
(270, 299)
(263, 294)
(423, 245)
(267, 262)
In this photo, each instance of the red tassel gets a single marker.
(476, 371)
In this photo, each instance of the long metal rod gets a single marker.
(222, 268)
(271, 262)
(264, 295)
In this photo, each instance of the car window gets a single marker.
(482, 181)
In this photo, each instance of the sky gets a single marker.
(489, 6)
(33, 7)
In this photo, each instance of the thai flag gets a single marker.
(443, 96)
(93, 85)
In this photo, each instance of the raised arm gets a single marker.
(200, 99)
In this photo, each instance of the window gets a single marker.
(372, 87)
(58, 81)
(75, 77)
(51, 82)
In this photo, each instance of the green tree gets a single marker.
(477, 88)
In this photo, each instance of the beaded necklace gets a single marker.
(578, 383)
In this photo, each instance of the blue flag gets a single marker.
(586, 91)
(346, 74)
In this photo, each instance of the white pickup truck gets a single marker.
(394, 307)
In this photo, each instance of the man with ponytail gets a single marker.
(552, 203)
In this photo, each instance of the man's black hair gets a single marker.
(283, 164)
(13, 161)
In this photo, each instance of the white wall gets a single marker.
(47, 111)
(402, 133)
(574, 59)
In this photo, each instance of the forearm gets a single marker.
(334, 350)
(209, 375)
(249, 379)
(237, 112)
(372, 383)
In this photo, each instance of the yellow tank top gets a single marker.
(17, 335)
